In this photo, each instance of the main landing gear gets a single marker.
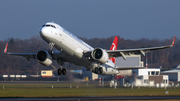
(98, 70)
(60, 62)
(63, 71)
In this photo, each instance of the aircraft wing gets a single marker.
(55, 55)
(124, 52)
(26, 55)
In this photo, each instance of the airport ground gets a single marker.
(77, 89)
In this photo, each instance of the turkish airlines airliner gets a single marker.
(74, 50)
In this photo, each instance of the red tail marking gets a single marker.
(114, 47)
(5, 50)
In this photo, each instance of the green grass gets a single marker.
(64, 90)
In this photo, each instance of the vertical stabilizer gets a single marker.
(114, 47)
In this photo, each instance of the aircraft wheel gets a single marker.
(50, 51)
(64, 71)
(100, 70)
(96, 70)
(59, 71)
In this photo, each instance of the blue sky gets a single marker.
(130, 19)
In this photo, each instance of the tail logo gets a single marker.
(114, 46)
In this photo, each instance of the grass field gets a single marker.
(64, 90)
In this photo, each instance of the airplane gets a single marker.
(74, 50)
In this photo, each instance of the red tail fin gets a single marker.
(114, 47)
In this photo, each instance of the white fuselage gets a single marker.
(72, 48)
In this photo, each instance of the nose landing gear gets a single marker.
(51, 48)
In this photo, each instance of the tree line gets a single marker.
(167, 58)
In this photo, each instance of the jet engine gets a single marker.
(44, 58)
(100, 55)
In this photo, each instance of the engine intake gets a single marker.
(44, 58)
(100, 55)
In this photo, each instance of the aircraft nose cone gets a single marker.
(44, 32)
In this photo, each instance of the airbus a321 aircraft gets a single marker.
(74, 50)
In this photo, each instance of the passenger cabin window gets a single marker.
(49, 26)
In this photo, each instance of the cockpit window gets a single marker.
(49, 26)
(53, 26)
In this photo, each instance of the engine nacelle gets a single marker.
(100, 55)
(44, 58)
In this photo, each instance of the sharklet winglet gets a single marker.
(5, 50)
(173, 41)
